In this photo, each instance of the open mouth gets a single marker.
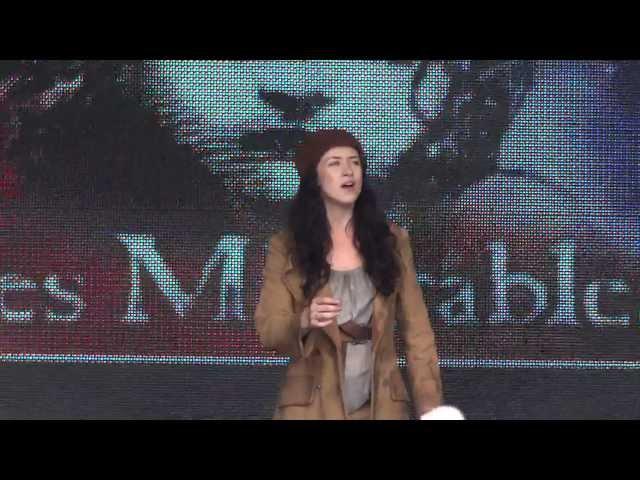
(349, 185)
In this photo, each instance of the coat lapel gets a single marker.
(380, 318)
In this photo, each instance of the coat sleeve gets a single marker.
(277, 324)
(415, 327)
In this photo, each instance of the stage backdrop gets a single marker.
(138, 199)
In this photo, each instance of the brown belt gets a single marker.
(356, 331)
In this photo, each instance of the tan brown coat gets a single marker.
(312, 387)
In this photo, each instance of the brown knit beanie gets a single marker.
(316, 144)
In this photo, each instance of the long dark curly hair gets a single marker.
(310, 231)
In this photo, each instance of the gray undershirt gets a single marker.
(356, 292)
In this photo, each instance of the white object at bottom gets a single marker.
(444, 412)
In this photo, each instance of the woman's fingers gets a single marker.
(323, 323)
(324, 310)
(325, 316)
(328, 308)
(327, 301)
(323, 319)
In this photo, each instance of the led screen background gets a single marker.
(138, 199)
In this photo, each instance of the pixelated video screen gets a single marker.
(138, 198)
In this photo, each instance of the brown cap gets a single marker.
(316, 144)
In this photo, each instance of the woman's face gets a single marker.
(340, 176)
(245, 117)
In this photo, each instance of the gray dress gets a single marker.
(356, 292)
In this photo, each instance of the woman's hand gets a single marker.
(323, 311)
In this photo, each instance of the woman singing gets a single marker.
(334, 283)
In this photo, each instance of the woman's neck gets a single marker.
(339, 217)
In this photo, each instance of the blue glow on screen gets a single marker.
(519, 182)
